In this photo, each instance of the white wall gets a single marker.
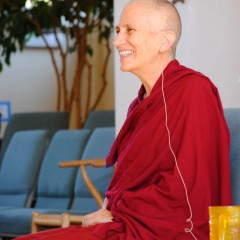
(126, 84)
(24, 83)
(210, 44)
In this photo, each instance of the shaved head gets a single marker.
(166, 17)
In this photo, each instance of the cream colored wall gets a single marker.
(210, 44)
(108, 99)
(29, 83)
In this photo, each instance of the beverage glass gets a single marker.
(224, 222)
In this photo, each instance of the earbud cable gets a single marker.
(189, 220)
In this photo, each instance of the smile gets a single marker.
(125, 53)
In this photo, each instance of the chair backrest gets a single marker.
(20, 167)
(51, 121)
(55, 185)
(100, 118)
(0, 130)
(232, 116)
(98, 146)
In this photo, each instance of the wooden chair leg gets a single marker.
(34, 227)
(65, 220)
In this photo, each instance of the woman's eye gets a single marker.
(129, 30)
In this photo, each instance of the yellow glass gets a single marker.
(224, 222)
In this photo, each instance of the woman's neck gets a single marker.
(149, 78)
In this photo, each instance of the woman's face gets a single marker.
(138, 38)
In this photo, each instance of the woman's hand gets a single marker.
(101, 216)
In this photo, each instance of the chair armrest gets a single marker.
(96, 162)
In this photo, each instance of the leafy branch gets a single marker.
(77, 20)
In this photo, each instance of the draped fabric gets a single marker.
(68, 233)
(164, 183)
(147, 196)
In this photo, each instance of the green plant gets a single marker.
(77, 20)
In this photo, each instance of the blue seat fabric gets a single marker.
(55, 185)
(232, 116)
(20, 167)
(100, 118)
(98, 146)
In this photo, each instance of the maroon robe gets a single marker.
(146, 196)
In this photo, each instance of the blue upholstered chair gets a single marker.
(55, 186)
(20, 168)
(51, 121)
(96, 149)
(100, 118)
(232, 116)
(0, 129)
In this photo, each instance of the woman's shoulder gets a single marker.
(197, 81)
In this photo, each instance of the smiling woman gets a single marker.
(141, 40)
(168, 149)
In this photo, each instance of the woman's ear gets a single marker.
(167, 41)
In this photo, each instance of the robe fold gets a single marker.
(172, 156)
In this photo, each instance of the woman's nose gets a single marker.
(119, 40)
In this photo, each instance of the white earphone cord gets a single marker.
(189, 220)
